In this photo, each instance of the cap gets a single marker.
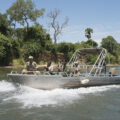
(30, 57)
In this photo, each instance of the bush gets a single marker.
(18, 62)
(39, 35)
(66, 48)
(32, 48)
(36, 41)
(9, 49)
(111, 59)
(91, 59)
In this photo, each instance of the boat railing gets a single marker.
(98, 65)
(64, 74)
(14, 72)
(30, 72)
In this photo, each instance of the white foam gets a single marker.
(6, 86)
(34, 97)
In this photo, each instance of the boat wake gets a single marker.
(6, 87)
(31, 97)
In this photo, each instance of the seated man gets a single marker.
(60, 66)
(31, 65)
(49, 67)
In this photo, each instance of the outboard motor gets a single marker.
(113, 71)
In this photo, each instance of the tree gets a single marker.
(9, 49)
(88, 32)
(36, 41)
(57, 27)
(37, 34)
(4, 24)
(22, 11)
(82, 44)
(67, 49)
(32, 48)
(110, 44)
(92, 43)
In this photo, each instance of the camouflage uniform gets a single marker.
(31, 67)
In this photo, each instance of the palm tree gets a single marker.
(88, 32)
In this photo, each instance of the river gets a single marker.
(25, 103)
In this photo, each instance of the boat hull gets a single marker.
(45, 81)
(101, 80)
(58, 81)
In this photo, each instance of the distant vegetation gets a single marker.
(19, 43)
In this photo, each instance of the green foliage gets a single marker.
(66, 48)
(2, 51)
(21, 11)
(15, 48)
(110, 44)
(88, 32)
(82, 45)
(38, 34)
(9, 48)
(36, 40)
(18, 61)
(54, 50)
(4, 23)
(5, 50)
(92, 43)
(91, 59)
(88, 44)
(20, 33)
(112, 59)
(32, 48)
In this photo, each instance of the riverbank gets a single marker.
(41, 66)
(22, 66)
(17, 66)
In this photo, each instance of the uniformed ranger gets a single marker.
(76, 68)
(49, 67)
(31, 65)
(60, 66)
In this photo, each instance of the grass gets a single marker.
(18, 62)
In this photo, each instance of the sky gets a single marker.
(100, 15)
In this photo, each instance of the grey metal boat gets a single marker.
(94, 75)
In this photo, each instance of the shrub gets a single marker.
(32, 48)
(9, 49)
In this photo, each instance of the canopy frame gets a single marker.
(99, 63)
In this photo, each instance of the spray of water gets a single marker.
(6, 86)
(31, 97)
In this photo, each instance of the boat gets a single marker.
(88, 75)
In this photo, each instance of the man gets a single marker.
(76, 68)
(49, 67)
(60, 67)
(31, 65)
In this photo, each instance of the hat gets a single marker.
(30, 57)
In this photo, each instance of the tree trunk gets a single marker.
(55, 39)
(27, 24)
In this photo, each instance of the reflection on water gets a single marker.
(5, 71)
